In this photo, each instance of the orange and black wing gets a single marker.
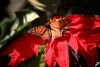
(41, 31)
(58, 27)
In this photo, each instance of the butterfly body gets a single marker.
(54, 28)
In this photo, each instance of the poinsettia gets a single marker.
(23, 49)
(79, 36)
(57, 51)
(82, 28)
(84, 22)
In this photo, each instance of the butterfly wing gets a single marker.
(59, 27)
(56, 28)
(41, 31)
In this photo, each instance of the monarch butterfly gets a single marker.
(54, 28)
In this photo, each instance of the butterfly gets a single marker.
(53, 28)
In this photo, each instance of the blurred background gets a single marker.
(17, 16)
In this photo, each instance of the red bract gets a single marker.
(14, 44)
(58, 48)
(88, 50)
(72, 41)
(82, 28)
(84, 22)
(50, 57)
(23, 49)
(95, 39)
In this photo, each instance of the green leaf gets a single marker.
(22, 20)
(2, 29)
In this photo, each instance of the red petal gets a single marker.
(93, 31)
(36, 44)
(88, 50)
(61, 52)
(95, 39)
(92, 51)
(83, 22)
(50, 58)
(24, 49)
(90, 55)
(97, 22)
(82, 28)
(13, 45)
(72, 42)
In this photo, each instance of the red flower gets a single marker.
(95, 39)
(82, 28)
(57, 51)
(88, 50)
(23, 49)
(83, 22)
